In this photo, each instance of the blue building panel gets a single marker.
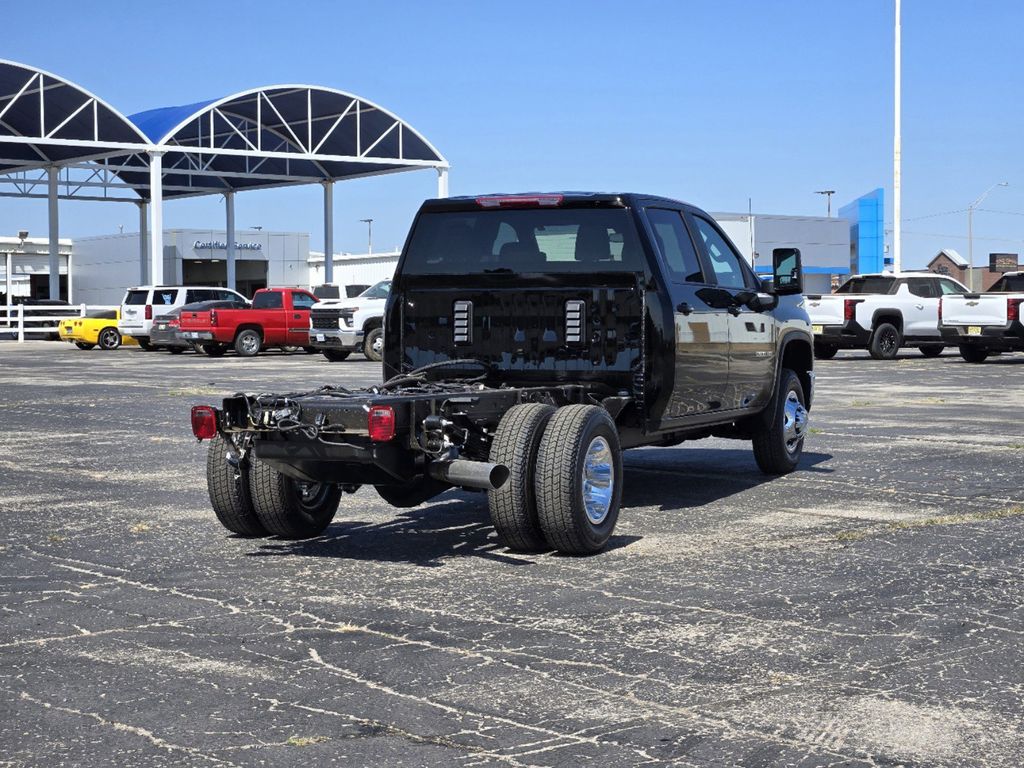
(866, 215)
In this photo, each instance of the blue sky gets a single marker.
(710, 102)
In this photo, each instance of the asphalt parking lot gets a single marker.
(865, 610)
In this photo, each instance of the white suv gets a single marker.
(141, 304)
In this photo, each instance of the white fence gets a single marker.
(39, 319)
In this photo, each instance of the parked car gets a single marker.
(137, 307)
(97, 329)
(881, 313)
(529, 340)
(278, 317)
(338, 327)
(164, 333)
(981, 324)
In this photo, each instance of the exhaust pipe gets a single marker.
(470, 474)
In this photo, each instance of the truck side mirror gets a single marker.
(787, 271)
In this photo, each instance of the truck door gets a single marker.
(298, 318)
(751, 334)
(920, 307)
(701, 368)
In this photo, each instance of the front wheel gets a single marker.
(578, 482)
(84, 345)
(885, 342)
(777, 448)
(932, 350)
(109, 338)
(248, 343)
(291, 508)
(974, 354)
(214, 350)
(824, 351)
(373, 344)
(335, 355)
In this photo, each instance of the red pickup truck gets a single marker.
(278, 317)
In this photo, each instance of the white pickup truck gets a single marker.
(881, 313)
(983, 323)
(338, 327)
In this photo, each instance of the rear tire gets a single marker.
(513, 507)
(974, 354)
(825, 351)
(373, 344)
(290, 508)
(84, 345)
(228, 487)
(334, 355)
(932, 350)
(144, 344)
(214, 350)
(778, 447)
(176, 350)
(109, 338)
(578, 483)
(248, 343)
(885, 342)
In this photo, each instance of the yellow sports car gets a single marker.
(97, 328)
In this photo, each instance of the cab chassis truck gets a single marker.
(529, 340)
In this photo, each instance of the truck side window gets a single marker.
(675, 245)
(948, 287)
(922, 287)
(268, 300)
(724, 260)
(302, 300)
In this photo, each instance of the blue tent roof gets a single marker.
(157, 123)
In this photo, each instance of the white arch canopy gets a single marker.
(59, 141)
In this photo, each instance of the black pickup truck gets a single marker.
(529, 339)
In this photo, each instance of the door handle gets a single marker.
(919, 306)
(683, 308)
(297, 316)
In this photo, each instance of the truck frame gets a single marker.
(528, 383)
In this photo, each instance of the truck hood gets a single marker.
(348, 303)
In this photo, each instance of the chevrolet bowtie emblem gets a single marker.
(972, 303)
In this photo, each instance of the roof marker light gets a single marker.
(519, 201)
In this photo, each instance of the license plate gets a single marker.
(320, 337)
(817, 329)
(162, 327)
(193, 334)
(67, 329)
(974, 330)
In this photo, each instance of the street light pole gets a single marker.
(369, 235)
(897, 154)
(970, 230)
(828, 197)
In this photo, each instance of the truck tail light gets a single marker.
(380, 423)
(519, 201)
(849, 310)
(173, 322)
(204, 422)
(1013, 310)
(213, 317)
(149, 311)
(940, 310)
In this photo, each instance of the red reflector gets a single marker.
(213, 317)
(204, 421)
(380, 423)
(940, 310)
(521, 201)
(1013, 310)
(149, 311)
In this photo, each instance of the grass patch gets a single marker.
(815, 431)
(858, 534)
(861, 404)
(56, 538)
(140, 528)
(305, 741)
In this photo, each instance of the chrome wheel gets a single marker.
(250, 343)
(109, 339)
(598, 480)
(794, 421)
(378, 345)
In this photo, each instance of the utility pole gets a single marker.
(369, 235)
(970, 230)
(897, 206)
(828, 199)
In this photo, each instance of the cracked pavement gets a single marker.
(864, 611)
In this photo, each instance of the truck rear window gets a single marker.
(867, 285)
(1009, 284)
(136, 298)
(534, 240)
(268, 300)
